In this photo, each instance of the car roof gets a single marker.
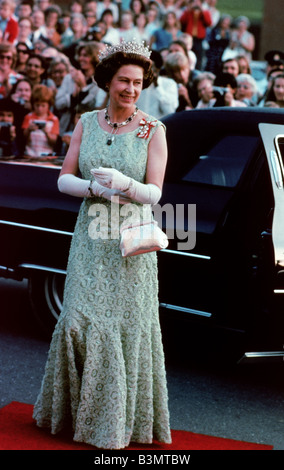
(191, 133)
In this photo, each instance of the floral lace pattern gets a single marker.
(105, 373)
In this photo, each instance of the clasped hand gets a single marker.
(111, 178)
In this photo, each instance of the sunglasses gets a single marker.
(8, 57)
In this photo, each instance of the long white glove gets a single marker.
(74, 186)
(136, 191)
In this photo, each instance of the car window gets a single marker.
(279, 144)
(224, 163)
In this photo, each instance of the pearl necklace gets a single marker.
(116, 125)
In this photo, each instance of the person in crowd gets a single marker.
(58, 68)
(178, 67)
(274, 60)
(211, 5)
(137, 7)
(25, 30)
(8, 132)
(97, 33)
(40, 45)
(161, 97)
(274, 72)
(36, 71)
(64, 29)
(218, 40)
(169, 32)
(244, 64)
(204, 86)
(140, 32)
(91, 19)
(40, 126)
(108, 5)
(38, 21)
(76, 6)
(23, 53)
(66, 98)
(178, 46)
(24, 9)
(66, 136)
(195, 20)
(88, 58)
(111, 351)
(49, 30)
(43, 4)
(126, 29)
(49, 53)
(153, 21)
(274, 66)
(171, 5)
(247, 90)
(79, 86)
(8, 23)
(111, 35)
(78, 25)
(231, 65)
(276, 92)
(225, 87)
(183, 45)
(21, 93)
(91, 5)
(8, 75)
(188, 41)
(242, 41)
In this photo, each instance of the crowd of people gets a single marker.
(48, 55)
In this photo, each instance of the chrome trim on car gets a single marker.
(186, 310)
(276, 168)
(42, 268)
(184, 253)
(263, 354)
(35, 227)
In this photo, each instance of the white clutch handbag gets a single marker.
(142, 238)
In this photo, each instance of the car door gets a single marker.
(273, 140)
(272, 338)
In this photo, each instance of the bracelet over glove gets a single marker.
(74, 186)
(136, 191)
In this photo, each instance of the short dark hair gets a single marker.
(224, 79)
(107, 68)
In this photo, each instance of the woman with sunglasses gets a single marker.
(8, 74)
(23, 53)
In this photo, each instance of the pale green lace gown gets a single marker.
(105, 373)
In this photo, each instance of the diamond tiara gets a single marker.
(131, 47)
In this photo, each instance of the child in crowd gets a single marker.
(8, 134)
(41, 126)
(8, 24)
(64, 141)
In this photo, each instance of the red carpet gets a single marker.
(19, 432)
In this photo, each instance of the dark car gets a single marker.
(222, 207)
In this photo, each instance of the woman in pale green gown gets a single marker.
(105, 374)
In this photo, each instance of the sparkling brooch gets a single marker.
(145, 128)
